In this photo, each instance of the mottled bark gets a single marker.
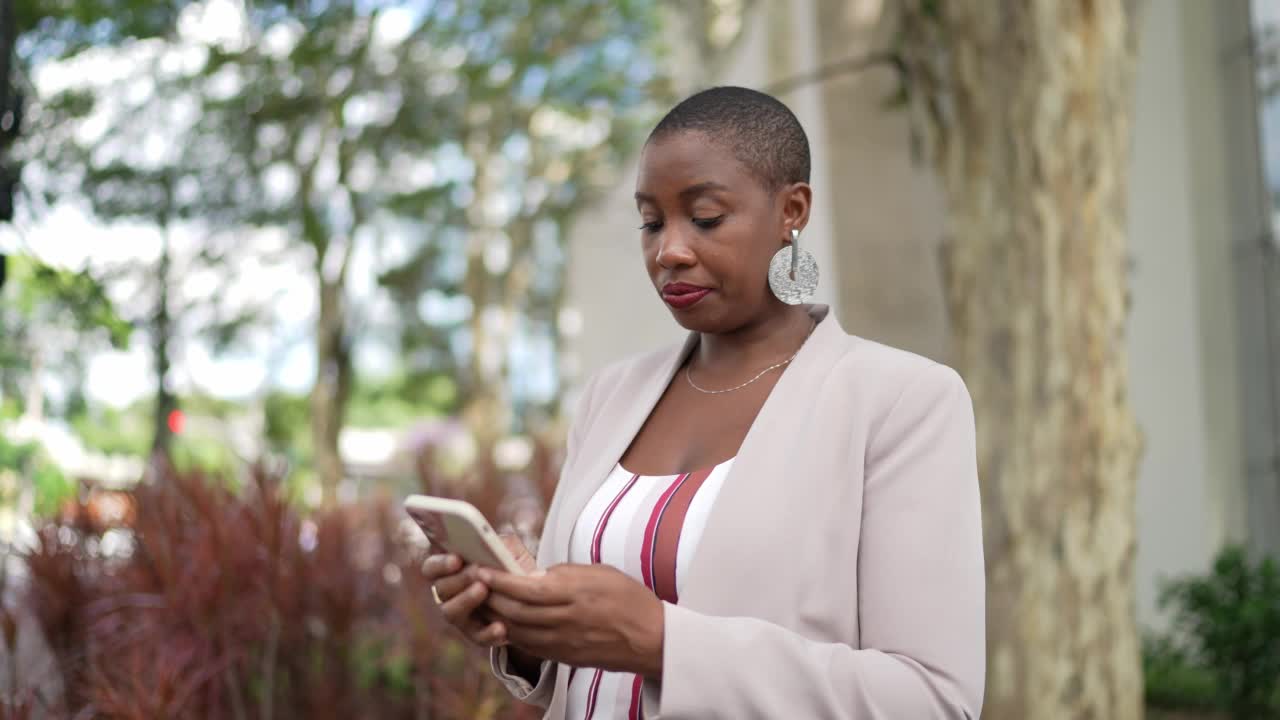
(334, 373)
(332, 388)
(161, 332)
(1029, 103)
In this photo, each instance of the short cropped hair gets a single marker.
(761, 132)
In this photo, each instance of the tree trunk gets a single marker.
(1030, 104)
(332, 388)
(33, 408)
(161, 329)
(487, 405)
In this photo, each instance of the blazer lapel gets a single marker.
(618, 420)
(760, 465)
(623, 409)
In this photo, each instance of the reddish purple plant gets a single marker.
(235, 605)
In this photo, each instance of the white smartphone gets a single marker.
(457, 526)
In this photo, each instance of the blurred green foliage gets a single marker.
(1224, 643)
(114, 431)
(14, 456)
(23, 466)
(50, 320)
(454, 138)
(1172, 680)
(54, 28)
(47, 295)
(52, 488)
(402, 399)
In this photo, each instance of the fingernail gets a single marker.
(538, 572)
(452, 561)
(484, 575)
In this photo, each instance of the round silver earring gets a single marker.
(793, 272)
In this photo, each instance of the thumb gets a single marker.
(521, 553)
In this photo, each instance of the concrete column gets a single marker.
(887, 210)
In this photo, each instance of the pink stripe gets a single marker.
(596, 540)
(595, 688)
(598, 537)
(651, 531)
(636, 686)
(646, 572)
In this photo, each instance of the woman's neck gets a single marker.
(770, 340)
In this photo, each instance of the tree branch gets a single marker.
(848, 66)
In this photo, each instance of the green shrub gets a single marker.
(52, 489)
(1172, 680)
(15, 456)
(23, 463)
(1225, 639)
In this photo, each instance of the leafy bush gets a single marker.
(1172, 680)
(52, 489)
(204, 602)
(26, 463)
(115, 432)
(1225, 642)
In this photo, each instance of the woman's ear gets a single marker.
(797, 198)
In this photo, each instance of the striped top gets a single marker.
(648, 527)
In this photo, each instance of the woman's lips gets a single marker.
(682, 295)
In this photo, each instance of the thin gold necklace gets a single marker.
(688, 370)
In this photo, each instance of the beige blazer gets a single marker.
(840, 574)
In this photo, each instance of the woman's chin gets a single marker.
(700, 318)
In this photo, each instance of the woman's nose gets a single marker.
(675, 251)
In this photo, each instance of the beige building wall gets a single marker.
(888, 207)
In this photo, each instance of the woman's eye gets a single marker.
(708, 223)
(652, 226)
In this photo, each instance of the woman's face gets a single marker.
(709, 229)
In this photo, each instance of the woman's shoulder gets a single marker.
(871, 368)
(886, 377)
(875, 362)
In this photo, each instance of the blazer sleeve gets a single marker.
(540, 694)
(920, 597)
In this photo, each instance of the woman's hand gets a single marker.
(462, 595)
(582, 615)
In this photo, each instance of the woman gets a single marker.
(775, 520)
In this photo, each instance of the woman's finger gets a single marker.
(458, 609)
(546, 589)
(492, 634)
(438, 566)
(521, 554)
(539, 640)
(526, 614)
(450, 585)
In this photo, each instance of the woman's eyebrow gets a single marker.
(689, 192)
(700, 188)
